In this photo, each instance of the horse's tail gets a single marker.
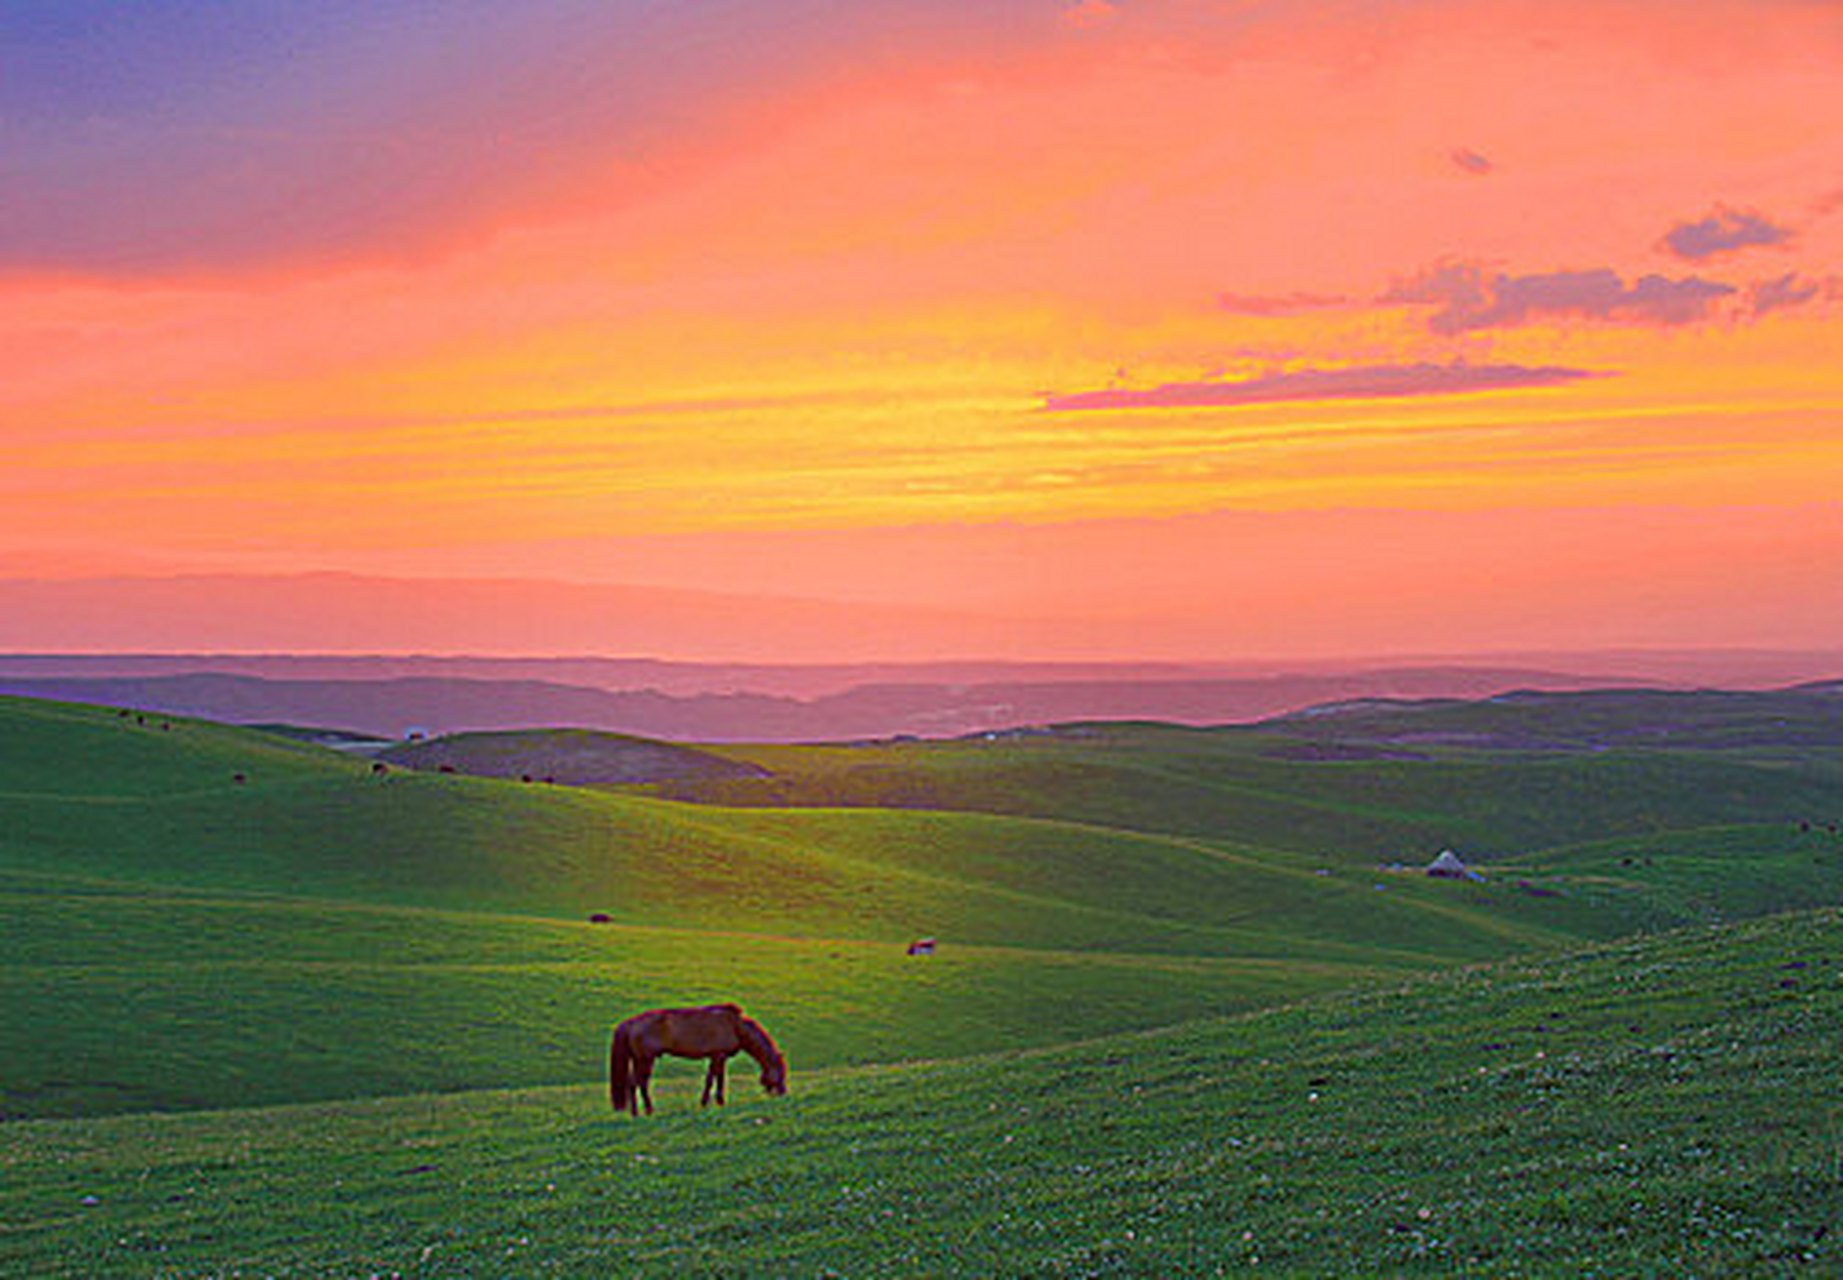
(620, 1082)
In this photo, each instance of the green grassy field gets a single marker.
(1659, 1107)
(1246, 785)
(123, 1002)
(316, 931)
(336, 970)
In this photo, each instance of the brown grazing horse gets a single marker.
(713, 1031)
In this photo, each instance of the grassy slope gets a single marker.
(1804, 719)
(476, 845)
(1229, 783)
(373, 935)
(578, 756)
(95, 755)
(182, 1001)
(1659, 1107)
(172, 938)
(1712, 875)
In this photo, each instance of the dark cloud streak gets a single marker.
(1780, 293)
(1469, 298)
(1723, 231)
(1363, 382)
(1471, 161)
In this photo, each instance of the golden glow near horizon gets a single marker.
(1588, 252)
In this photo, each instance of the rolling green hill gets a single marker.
(1178, 1020)
(568, 756)
(1803, 718)
(94, 755)
(276, 922)
(1271, 788)
(1658, 1107)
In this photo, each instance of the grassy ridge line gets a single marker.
(473, 843)
(50, 749)
(1657, 1107)
(576, 756)
(1153, 780)
(1175, 888)
(1192, 888)
(1225, 783)
(1461, 919)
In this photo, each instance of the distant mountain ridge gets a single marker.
(1685, 668)
(395, 707)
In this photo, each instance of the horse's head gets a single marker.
(757, 1044)
(774, 1075)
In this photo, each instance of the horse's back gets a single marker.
(725, 1009)
(710, 1028)
(640, 1022)
(695, 1031)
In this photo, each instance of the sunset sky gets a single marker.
(1052, 328)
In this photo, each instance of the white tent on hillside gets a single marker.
(1448, 866)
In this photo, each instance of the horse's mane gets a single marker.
(755, 1038)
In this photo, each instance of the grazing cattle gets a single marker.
(524, 777)
(238, 778)
(379, 768)
(922, 947)
(446, 768)
(713, 1032)
(601, 917)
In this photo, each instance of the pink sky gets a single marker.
(1032, 329)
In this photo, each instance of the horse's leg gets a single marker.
(717, 1064)
(713, 1075)
(643, 1082)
